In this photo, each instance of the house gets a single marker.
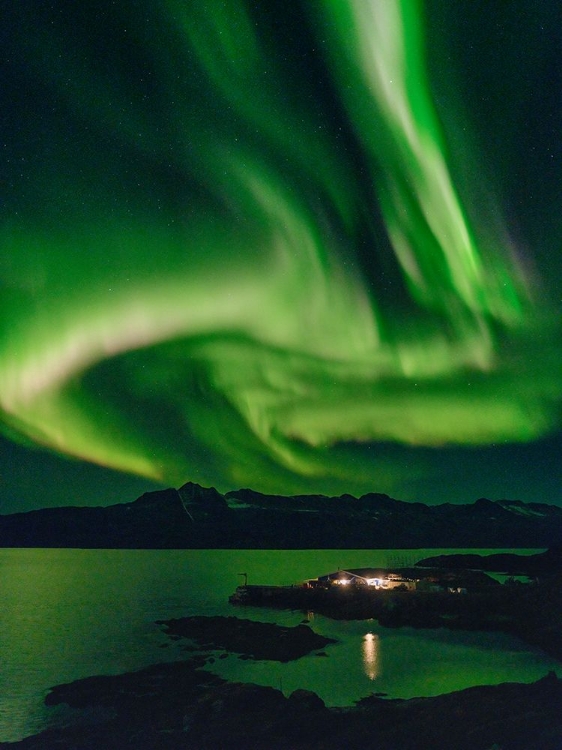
(405, 579)
(377, 578)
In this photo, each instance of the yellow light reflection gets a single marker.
(370, 649)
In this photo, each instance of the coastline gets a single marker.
(320, 664)
(181, 705)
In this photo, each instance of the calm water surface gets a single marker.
(68, 614)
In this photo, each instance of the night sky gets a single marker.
(305, 246)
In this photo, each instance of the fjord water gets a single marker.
(68, 614)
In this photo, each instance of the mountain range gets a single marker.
(194, 517)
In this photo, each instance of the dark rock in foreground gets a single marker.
(257, 640)
(179, 705)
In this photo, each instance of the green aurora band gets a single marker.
(214, 270)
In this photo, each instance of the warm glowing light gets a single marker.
(370, 647)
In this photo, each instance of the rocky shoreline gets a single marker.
(530, 611)
(180, 705)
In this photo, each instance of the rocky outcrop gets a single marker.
(179, 705)
(256, 640)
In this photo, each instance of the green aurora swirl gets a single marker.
(240, 248)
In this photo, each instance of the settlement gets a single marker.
(369, 580)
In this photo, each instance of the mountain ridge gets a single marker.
(193, 517)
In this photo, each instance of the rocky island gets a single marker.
(251, 639)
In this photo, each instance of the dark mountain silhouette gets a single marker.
(198, 517)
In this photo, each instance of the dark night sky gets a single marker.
(300, 247)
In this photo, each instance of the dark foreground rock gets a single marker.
(179, 705)
(256, 640)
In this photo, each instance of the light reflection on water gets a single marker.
(371, 655)
(69, 614)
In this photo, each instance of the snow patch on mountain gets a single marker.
(517, 507)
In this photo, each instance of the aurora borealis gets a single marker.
(305, 248)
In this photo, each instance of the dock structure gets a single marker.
(257, 594)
